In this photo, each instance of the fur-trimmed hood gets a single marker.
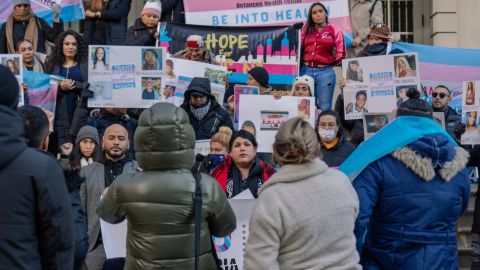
(430, 154)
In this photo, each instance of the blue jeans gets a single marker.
(324, 78)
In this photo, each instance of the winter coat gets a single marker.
(211, 122)
(36, 222)
(158, 202)
(139, 35)
(45, 33)
(474, 161)
(323, 46)
(410, 207)
(90, 191)
(173, 11)
(115, 20)
(337, 154)
(304, 219)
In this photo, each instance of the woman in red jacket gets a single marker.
(322, 48)
(242, 169)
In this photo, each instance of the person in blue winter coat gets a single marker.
(410, 201)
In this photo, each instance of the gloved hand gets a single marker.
(56, 12)
(85, 95)
(459, 130)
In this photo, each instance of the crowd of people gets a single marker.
(63, 171)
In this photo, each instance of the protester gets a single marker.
(428, 175)
(322, 48)
(441, 98)
(24, 24)
(305, 215)
(364, 14)
(106, 22)
(173, 11)
(69, 60)
(303, 86)
(218, 151)
(195, 50)
(205, 114)
(144, 31)
(258, 76)
(334, 146)
(35, 217)
(242, 170)
(32, 61)
(98, 176)
(160, 233)
(87, 148)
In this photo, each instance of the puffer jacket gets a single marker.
(158, 202)
(410, 201)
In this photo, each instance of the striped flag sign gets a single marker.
(42, 89)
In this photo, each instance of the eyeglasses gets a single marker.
(441, 95)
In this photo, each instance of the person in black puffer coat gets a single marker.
(205, 114)
(144, 31)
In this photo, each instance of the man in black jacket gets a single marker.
(35, 218)
(205, 114)
(441, 98)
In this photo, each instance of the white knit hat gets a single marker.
(152, 7)
(306, 80)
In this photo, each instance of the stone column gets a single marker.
(468, 24)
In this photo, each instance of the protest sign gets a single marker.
(179, 73)
(14, 62)
(266, 114)
(378, 84)
(242, 90)
(71, 10)
(114, 238)
(202, 147)
(42, 89)
(373, 122)
(470, 96)
(439, 117)
(472, 132)
(240, 49)
(125, 77)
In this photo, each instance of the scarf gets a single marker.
(201, 111)
(84, 162)
(236, 184)
(31, 33)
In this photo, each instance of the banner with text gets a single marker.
(240, 49)
(378, 84)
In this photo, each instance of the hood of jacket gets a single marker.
(296, 172)
(12, 140)
(428, 154)
(164, 139)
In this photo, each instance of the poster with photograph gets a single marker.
(202, 147)
(242, 90)
(125, 76)
(472, 134)
(378, 84)
(265, 115)
(470, 96)
(439, 117)
(373, 122)
(14, 62)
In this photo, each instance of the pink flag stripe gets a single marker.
(272, 68)
(450, 73)
(212, 5)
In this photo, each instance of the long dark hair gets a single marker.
(57, 58)
(95, 59)
(310, 23)
(76, 155)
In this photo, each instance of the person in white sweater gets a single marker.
(305, 214)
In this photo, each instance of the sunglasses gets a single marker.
(374, 24)
(441, 95)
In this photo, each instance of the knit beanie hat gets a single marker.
(380, 30)
(9, 88)
(194, 41)
(415, 106)
(245, 135)
(152, 7)
(21, 2)
(88, 132)
(305, 80)
(260, 74)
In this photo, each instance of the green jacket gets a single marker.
(158, 202)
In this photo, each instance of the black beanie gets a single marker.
(243, 134)
(415, 106)
(260, 74)
(9, 88)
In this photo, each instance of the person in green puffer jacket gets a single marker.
(158, 201)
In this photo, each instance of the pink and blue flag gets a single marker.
(42, 90)
(72, 10)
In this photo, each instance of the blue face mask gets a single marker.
(216, 159)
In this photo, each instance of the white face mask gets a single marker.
(327, 135)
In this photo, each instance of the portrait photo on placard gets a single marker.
(170, 70)
(356, 102)
(405, 66)
(374, 122)
(354, 72)
(168, 92)
(12, 63)
(250, 127)
(471, 134)
(100, 59)
(214, 75)
(303, 106)
(102, 90)
(152, 59)
(469, 94)
(401, 91)
(151, 88)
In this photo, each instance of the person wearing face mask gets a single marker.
(334, 147)
(144, 31)
(218, 151)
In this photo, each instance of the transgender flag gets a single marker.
(42, 89)
(446, 66)
(72, 10)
